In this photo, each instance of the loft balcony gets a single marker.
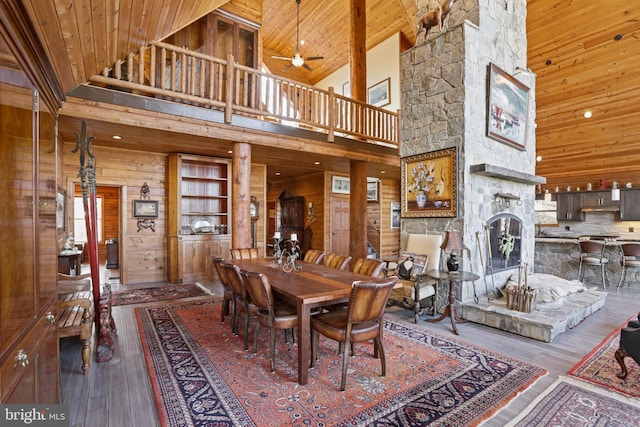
(166, 72)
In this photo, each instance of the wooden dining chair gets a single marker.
(340, 262)
(244, 253)
(272, 313)
(369, 267)
(314, 256)
(240, 302)
(360, 321)
(227, 297)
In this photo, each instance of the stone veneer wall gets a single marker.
(444, 104)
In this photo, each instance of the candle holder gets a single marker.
(278, 252)
(290, 264)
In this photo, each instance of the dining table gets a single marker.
(309, 288)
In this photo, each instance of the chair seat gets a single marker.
(285, 315)
(333, 325)
(407, 289)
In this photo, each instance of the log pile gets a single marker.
(521, 297)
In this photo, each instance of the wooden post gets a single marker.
(241, 197)
(358, 47)
(358, 210)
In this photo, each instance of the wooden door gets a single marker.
(340, 225)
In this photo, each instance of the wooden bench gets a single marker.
(75, 318)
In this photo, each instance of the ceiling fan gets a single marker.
(297, 60)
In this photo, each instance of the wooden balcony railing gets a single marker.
(169, 72)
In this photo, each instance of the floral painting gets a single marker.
(429, 184)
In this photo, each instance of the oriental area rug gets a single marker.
(201, 375)
(159, 293)
(600, 366)
(570, 402)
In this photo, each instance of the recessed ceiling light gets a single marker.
(118, 137)
(587, 114)
(538, 158)
(316, 163)
(230, 152)
(383, 171)
(277, 173)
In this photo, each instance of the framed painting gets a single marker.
(508, 105)
(378, 94)
(145, 209)
(395, 215)
(372, 190)
(340, 184)
(430, 184)
(61, 209)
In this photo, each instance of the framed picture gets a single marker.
(145, 209)
(430, 184)
(395, 215)
(379, 93)
(372, 190)
(346, 89)
(340, 184)
(61, 209)
(508, 107)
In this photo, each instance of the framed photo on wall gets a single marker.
(395, 215)
(340, 184)
(379, 94)
(145, 209)
(508, 105)
(372, 190)
(430, 184)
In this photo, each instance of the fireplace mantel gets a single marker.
(507, 174)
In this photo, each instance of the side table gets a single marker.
(452, 277)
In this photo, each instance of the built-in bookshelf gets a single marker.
(199, 220)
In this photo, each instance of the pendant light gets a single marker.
(615, 191)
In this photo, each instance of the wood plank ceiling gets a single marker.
(572, 50)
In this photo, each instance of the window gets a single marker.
(79, 224)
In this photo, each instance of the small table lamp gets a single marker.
(453, 243)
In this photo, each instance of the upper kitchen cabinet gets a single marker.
(630, 204)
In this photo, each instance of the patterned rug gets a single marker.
(160, 293)
(600, 366)
(569, 402)
(202, 376)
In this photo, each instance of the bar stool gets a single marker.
(629, 258)
(592, 253)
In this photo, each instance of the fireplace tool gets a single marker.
(484, 272)
(487, 233)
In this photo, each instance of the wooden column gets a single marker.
(358, 210)
(358, 50)
(240, 196)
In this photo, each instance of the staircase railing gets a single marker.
(170, 72)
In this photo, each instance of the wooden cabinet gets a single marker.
(569, 205)
(292, 210)
(199, 215)
(630, 204)
(29, 371)
(599, 198)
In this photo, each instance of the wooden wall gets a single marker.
(126, 171)
(258, 189)
(390, 238)
(311, 187)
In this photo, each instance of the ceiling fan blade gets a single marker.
(281, 57)
(314, 58)
(306, 67)
(287, 68)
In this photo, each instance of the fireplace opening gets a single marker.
(505, 243)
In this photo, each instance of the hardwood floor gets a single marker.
(118, 393)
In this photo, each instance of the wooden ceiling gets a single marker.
(572, 50)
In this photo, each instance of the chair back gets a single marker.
(630, 249)
(426, 244)
(340, 262)
(68, 284)
(235, 280)
(244, 253)
(222, 274)
(258, 289)
(592, 248)
(314, 256)
(369, 267)
(368, 300)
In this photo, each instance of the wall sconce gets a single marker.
(312, 213)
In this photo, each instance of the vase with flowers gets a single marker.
(422, 176)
